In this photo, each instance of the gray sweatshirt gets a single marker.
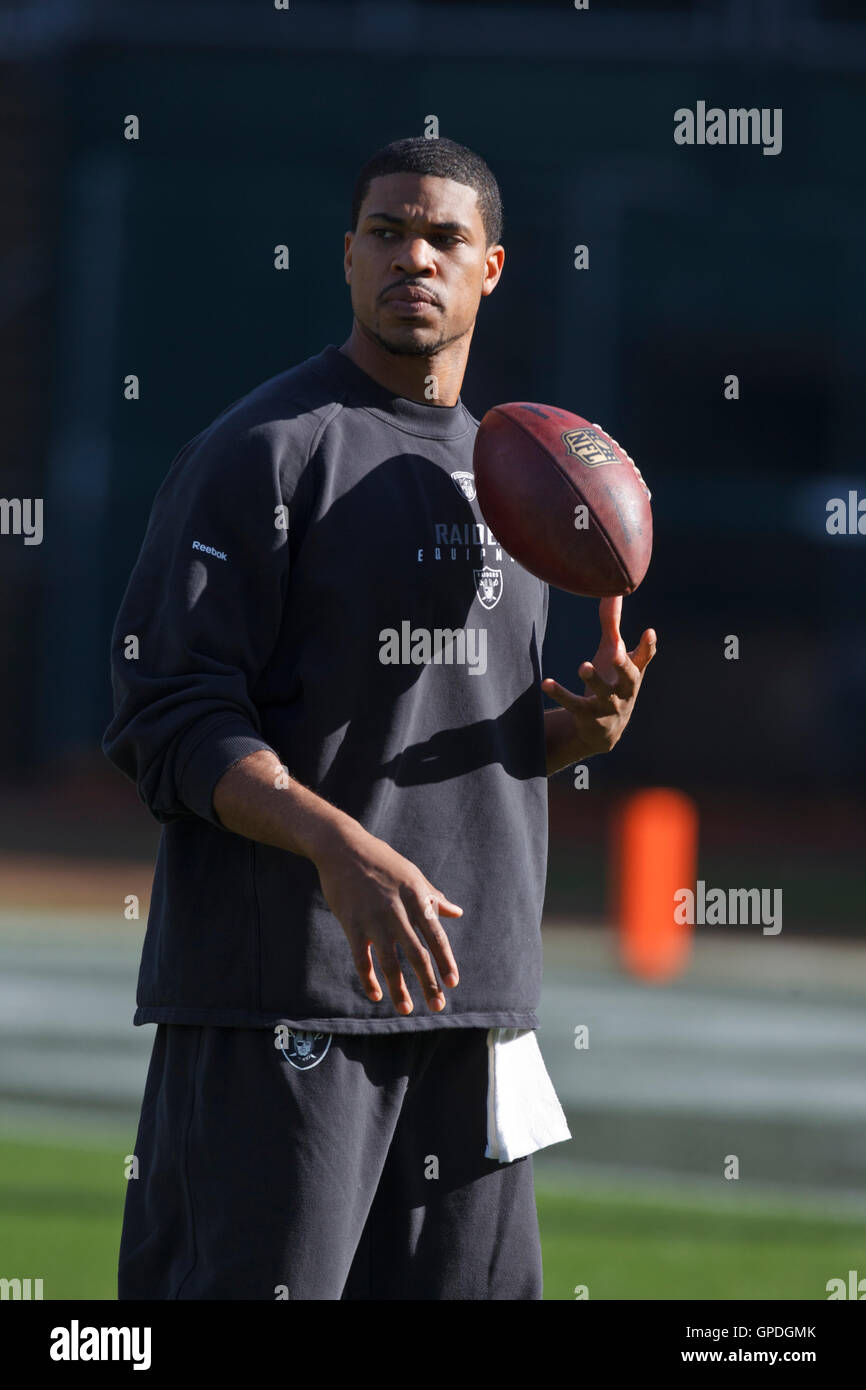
(317, 579)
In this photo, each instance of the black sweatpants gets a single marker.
(334, 1167)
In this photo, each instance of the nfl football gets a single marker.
(564, 498)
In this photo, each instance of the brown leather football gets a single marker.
(564, 498)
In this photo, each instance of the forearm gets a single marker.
(257, 799)
(561, 743)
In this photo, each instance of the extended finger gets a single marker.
(609, 614)
(444, 904)
(437, 938)
(645, 650)
(557, 692)
(418, 956)
(390, 963)
(362, 955)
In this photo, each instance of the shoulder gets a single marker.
(268, 433)
(284, 414)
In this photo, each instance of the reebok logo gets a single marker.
(209, 550)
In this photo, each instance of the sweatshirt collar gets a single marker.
(432, 421)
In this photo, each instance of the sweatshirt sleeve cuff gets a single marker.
(212, 756)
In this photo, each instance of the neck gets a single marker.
(407, 375)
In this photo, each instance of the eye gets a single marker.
(436, 236)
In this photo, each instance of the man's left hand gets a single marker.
(612, 680)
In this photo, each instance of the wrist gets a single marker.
(332, 835)
(564, 744)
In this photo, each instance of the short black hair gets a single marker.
(444, 159)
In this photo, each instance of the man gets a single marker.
(327, 688)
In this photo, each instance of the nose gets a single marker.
(413, 256)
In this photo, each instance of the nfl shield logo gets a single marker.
(488, 586)
(589, 447)
(305, 1050)
(465, 483)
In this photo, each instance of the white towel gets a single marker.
(523, 1112)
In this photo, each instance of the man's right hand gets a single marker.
(380, 899)
(383, 901)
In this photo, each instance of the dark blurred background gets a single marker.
(154, 257)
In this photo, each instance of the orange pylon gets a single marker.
(654, 848)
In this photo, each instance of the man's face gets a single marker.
(419, 235)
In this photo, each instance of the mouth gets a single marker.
(409, 298)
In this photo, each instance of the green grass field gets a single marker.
(61, 1205)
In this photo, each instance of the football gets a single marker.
(564, 498)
